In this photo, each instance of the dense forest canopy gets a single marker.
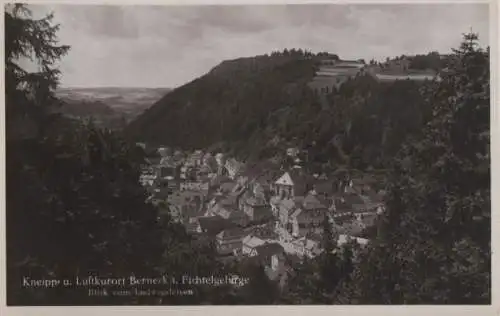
(247, 104)
(75, 207)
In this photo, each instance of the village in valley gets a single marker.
(274, 212)
(269, 212)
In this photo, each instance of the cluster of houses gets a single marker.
(261, 212)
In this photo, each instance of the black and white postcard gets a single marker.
(248, 154)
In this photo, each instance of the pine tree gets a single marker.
(436, 243)
(30, 93)
(74, 203)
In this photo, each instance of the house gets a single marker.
(308, 217)
(265, 232)
(348, 204)
(213, 225)
(195, 159)
(363, 183)
(305, 247)
(230, 240)
(285, 209)
(325, 188)
(293, 183)
(249, 244)
(231, 213)
(257, 209)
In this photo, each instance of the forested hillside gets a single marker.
(258, 106)
(230, 103)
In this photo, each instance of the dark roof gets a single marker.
(327, 187)
(229, 200)
(263, 232)
(262, 212)
(214, 224)
(269, 249)
(348, 202)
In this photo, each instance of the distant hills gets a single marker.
(109, 106)
(255, 107)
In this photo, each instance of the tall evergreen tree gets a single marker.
(436, 246)
(30, 93)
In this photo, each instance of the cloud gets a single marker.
(170, 45)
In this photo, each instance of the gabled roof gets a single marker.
(285, 179)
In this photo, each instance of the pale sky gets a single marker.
(167, 46)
